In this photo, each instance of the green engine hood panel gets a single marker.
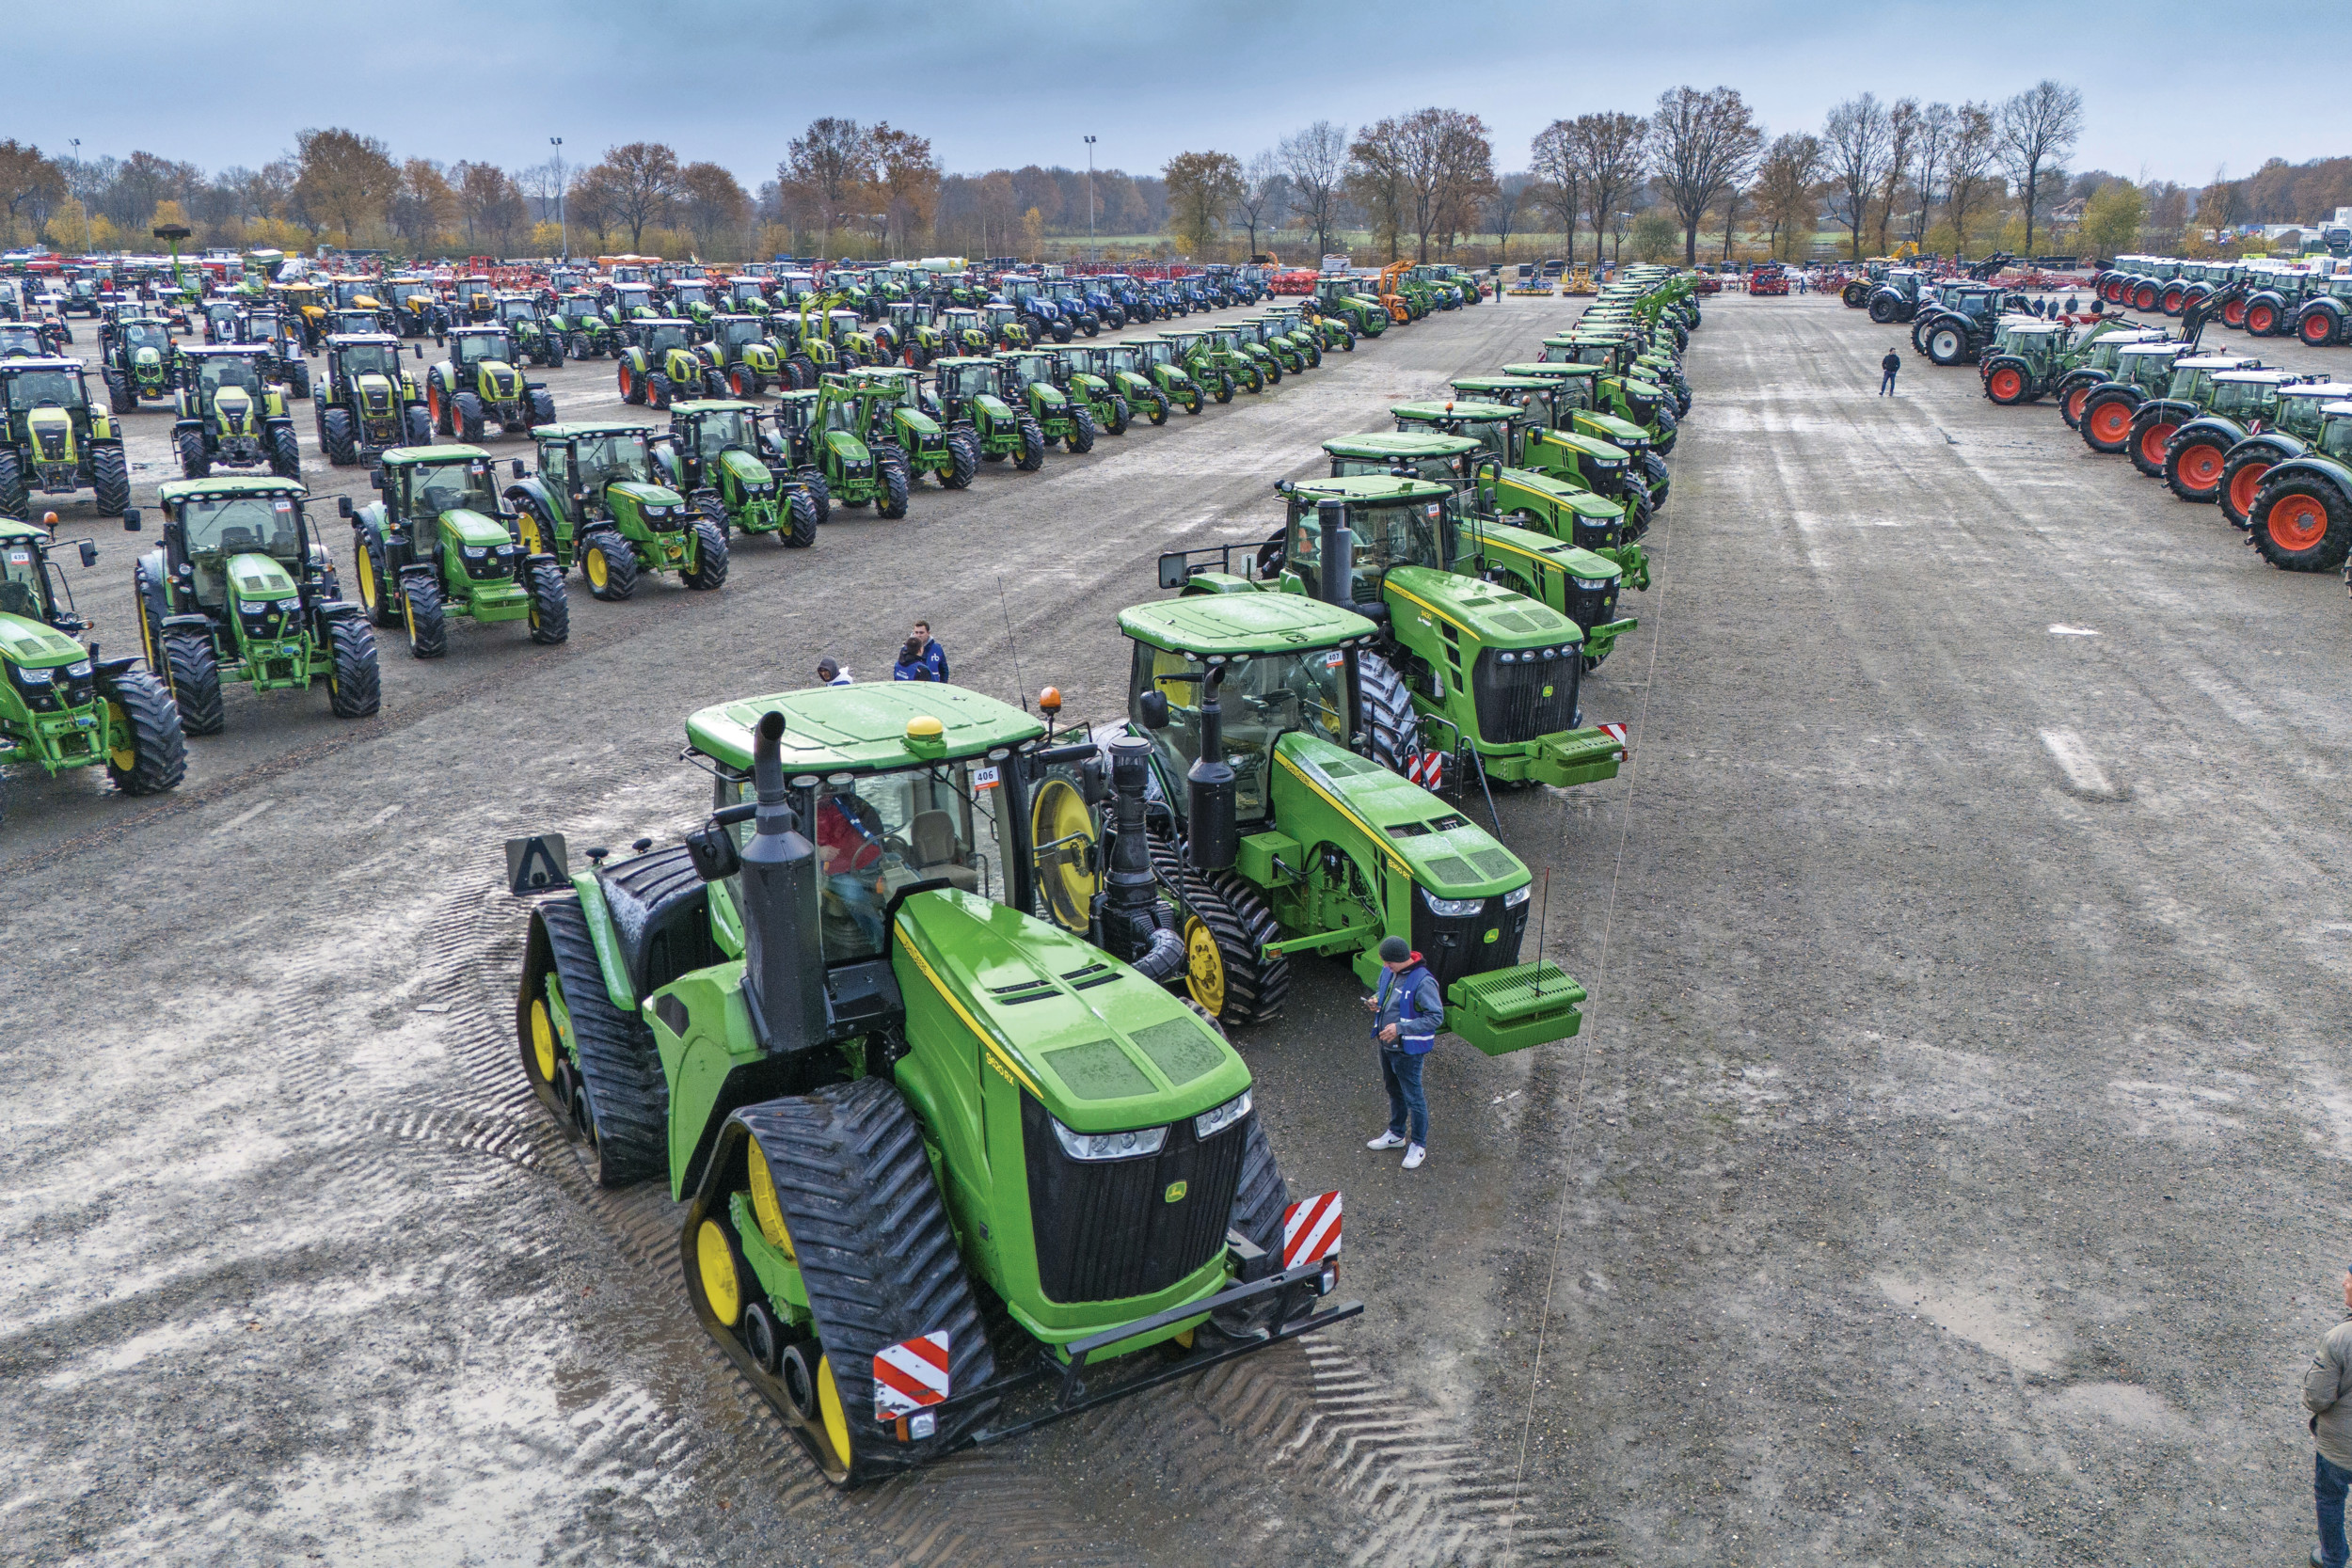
(254, 578)
(468, 527)
(30, 644)
(915, 423)
(1497, 616)
(746, 468)
(645, 493)
(1439, 847)
(846, 447)
(1119, 1053)
(1526, 542)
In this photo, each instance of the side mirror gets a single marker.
(343, 506)
(89, 552)
(1152, 706)
(131, 520)
(519, 469)
(375, 479)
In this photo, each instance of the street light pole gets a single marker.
(563, 227)
(1093, 250)
(78, 200)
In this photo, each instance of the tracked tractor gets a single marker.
(1156, 362)
(2301, 519)
(54, 443)
(2219, 411)
(595, 502)
(370, 401)
(2289, 432)
(139, 360)
(1028, 377)
(61, 706)
(904, 428)
(536, 336)
(663, 365)
(719, 456)
(230, 415)
(243, 590)
(480, 385)
(441, 542)
(1580, 454)
(887, 1092)
(973, 398)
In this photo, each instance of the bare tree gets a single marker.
(1733, 196)
(1856, 142)
(1438, 163)
(825, 172)
(1930, 146)
(640, 186)
(1902, 131)
(1971, 182)
(2037, 129)
(1786, 191)
(1512, 194)
(1260, 199)
(1315, 160)
(1702, 143)
(1612, 151)
(1559, 177)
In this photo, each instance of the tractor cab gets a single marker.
(746, 295)
(1005, 325)
(793, 287)
(2300, 406)
(656, 337)
(628, 273)
(249, 538)
(352, 293)
(1432, 457)
(230, 412)
(906, 314)
(702, 431)
(472, 297)
(29, 585)
(691, 297)
(634, 302)
(2244, 396)
(22, 340)
(471, 347)
(2193, 377)
(1494, 426)
(965, 328)
(509, 308)
(220, 320)
(1536, 396)
(584, 463)
(424, 484)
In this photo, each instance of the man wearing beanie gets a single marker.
(1407, 1009)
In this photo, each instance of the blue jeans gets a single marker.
(1399, 1070)
(1886, 387)
(2329, 1483)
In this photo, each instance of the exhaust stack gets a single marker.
(784, 966)
(1129, 914)
(1214, 839)
(1334, 577)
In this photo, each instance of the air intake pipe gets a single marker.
(1129, 914)
(784, 966)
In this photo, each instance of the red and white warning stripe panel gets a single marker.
(1427, 768)
(909, 1374)
(1311, 1230)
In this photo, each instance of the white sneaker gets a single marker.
(1414, 1155)
(1386, 1140)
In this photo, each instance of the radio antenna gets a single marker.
(1020, 682)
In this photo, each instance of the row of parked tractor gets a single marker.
(245, 592)
(2270, 449)
(841, 1017)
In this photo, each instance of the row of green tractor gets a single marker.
(924, 1020)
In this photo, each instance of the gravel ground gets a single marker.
(1932, 1180)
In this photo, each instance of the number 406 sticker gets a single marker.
(983, 777)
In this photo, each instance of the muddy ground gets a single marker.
(1949, 1170)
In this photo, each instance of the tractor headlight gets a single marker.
(1507, 657)
(1209, 1123)
(1451, 908)
(1109, 1145)
(1517, 897)
(1592, 585)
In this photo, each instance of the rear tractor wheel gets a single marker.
(2106, 424)
(354, 686)
(2193, 469)
(2303, 524)
(2006, 386)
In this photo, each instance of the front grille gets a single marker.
(1597, 533)
(1520, 702)
(1592, 606)
(1106, 1232)
(1455, 946)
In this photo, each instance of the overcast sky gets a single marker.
(1012, 82)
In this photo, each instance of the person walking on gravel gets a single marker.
(1892, 363)
(1407, 1010)
(2328, 1395)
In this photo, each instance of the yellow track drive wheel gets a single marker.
(722, 1277)
(764, 1206)
(1063, 830)
(829, 1412)
(543, 1041)
(1204, 966)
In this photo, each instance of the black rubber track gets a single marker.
(1388, 710)
(159, 750)
(1258, 1204)
(877, 1254)
(629, 1099)
(1255, 985)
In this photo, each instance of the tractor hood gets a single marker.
(1047, 397)
(846, 447)
(1122, 1052)
(498, 380)
(749, 471)
(645, 493)
(255, 578)
(29, 644)
(1502, 539)
(468, 527)
(375, 393)
(51, 430)
(1499, 617)
(145, 358)
(1439, 847)
(917, 423)
(233, 408)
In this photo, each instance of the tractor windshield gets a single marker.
(1118, 360)
(371, 359)
(2335, 437)
(1153, 353)
(217, 371)
(846, 415)
(518, 311)
(690, 294)
(2243, 399)
(746, 292)
(1418, 532)
(722, 428)
(22, 588)
(737, 333)
(600, 460)
(438, 488)
(1024, 371)
(21, 340)
(970, 381)
(1262, 697)
(230, 525)
(146, 335)
(2299, 416)
(478, 347)
(1436, 470)
(34, 388)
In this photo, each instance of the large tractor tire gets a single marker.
(1224, 388)
(2006, 385)
(2242, 482)
(285, 453)
(2317, 328)
(2192, 468)
(118, 397)
(1919, 333)
(710, 558)
(2174, 299)
(1854, 295)
(337, 438)
(1884, 309)
(538, 408)
(12, 494)
(195, 462)
(2151, 439)
(1948, 343)
(2072, 396)
(892, 502)
(963, 461)
(550, 607)
(1669, 427)
(2233, 314)
(821, 492)
(469, 414)
(1122, 416)
(2147, 294)
(801, 508)
(1256, 382)
(2107, 421)
(110, 481)
(1272, 373)
(609, 563)
(1390, 721)
(420, 426)
(2303, 523)
(354, 686)
(632, 386)
(195, 676)
(1159, 407)
(437, 408)
(841, 1181)
(617, 1100)
(1032, 456)
(1225, 926)
(1259, 1202)
(375, 599)
(153, 755)
(1082, 432)
(427, 622)
(659, 392)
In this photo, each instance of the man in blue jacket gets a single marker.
(922, 659)
(1408, 1010)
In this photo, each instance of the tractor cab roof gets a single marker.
(2219, 362)
(1370, 489)
(869, 728)
(352, 339)
(2253, 377)
(1407, 444)
(2328, 390)
(1224, 625)
(224, 351)
(1457, 408)
(174, 491)
(18, 367)
(590, 427)
(435, 456)
(713, 406)
(1499, 383)
(1551, 370)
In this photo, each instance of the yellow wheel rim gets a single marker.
(408, 612)
(125, 755)
(542, 1040)
(1204, 966)
(367, 581)
(714, 1260)
(1060, 819)
(829, 1409)
(764, 1205)
(595, 566)
(531, 535)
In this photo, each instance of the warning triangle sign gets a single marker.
(536, 864)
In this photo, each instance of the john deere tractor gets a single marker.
(855, 440)
(588, 333)
(663, 365)
(1125, 372)
(2289, 434)
(54, 443)
(2301, 519)
(1155, 363)
(2229, 404)
(739, 351)
(1576, 488)
(138, 356)
(480, 385)
(244, 589)
(441, 542)
(885, 1091)
(369, 402)
(594, 501)
(718, 458)
(904, 428)
(230, 415)
(1191, 353)
(1078, 371)
(536, 336)
(973, 398)
(1030, 377)
(62, 706)
(1343, 295)
(1575, 400)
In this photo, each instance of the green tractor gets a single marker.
(963, 333)
(536, 337)
(442, 543)
(138, 357)
(718, 456)
(1081, 372)
(2232, 404)
(904, 429)
(2289, 434)
(973, 398)
(631, 305)
(2156, 421)
(480, 385)
(1645, 471)
(1030, 379)
(1288, 332)
(54, 443)
(915, 333)
(741, 295)
(2144, 372)
(1342, 295)
(887, 1092)
(588, 332)
(1644, 405)
(2092, 364)
(694, 299)
(595, 502)
(244, 589)
(2302, 518)
(854, 434)
(1007, 327)
(663, 365)
(62, 706)
(738, 349)
(1578, 488)
(1230, 353)
(1189, 351)
(369, 402)
(1155, 364)
(229, 415)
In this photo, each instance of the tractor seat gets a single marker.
(16, 598)
(932, 836)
